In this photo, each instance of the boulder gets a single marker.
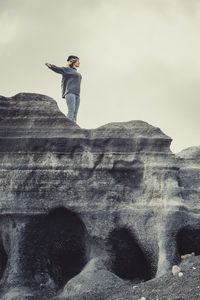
(92, 280)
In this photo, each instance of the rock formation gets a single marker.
(84, 213)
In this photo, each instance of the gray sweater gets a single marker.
(71, 79)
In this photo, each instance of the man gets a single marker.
(70, 85)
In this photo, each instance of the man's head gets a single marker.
(73, 61)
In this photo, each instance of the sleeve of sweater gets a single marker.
(56, 69)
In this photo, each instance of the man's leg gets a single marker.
(76, 107)
(71, 101)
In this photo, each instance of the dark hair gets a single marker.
(72, 57)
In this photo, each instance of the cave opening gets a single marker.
(188, 241)
(129, 260)
(3, 259)
(57, 246)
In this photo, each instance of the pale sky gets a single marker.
(139, 59)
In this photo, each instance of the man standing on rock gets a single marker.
(70, 85)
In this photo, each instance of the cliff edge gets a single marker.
(88, 214)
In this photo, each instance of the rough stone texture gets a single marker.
(93, 279)
(166, 287)
(70, 196)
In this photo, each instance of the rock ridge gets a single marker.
(82, 208)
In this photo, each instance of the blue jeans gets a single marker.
(73, 102)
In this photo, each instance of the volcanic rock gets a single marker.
(71, 196)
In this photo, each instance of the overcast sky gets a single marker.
(139, 59)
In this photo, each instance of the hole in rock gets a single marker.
(129, 261)
(56, 246)
(3, 259)
(188, 241)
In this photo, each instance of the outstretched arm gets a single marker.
(55, 68)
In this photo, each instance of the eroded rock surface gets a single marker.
(71, 196)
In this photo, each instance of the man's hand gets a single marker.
(48, 65)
